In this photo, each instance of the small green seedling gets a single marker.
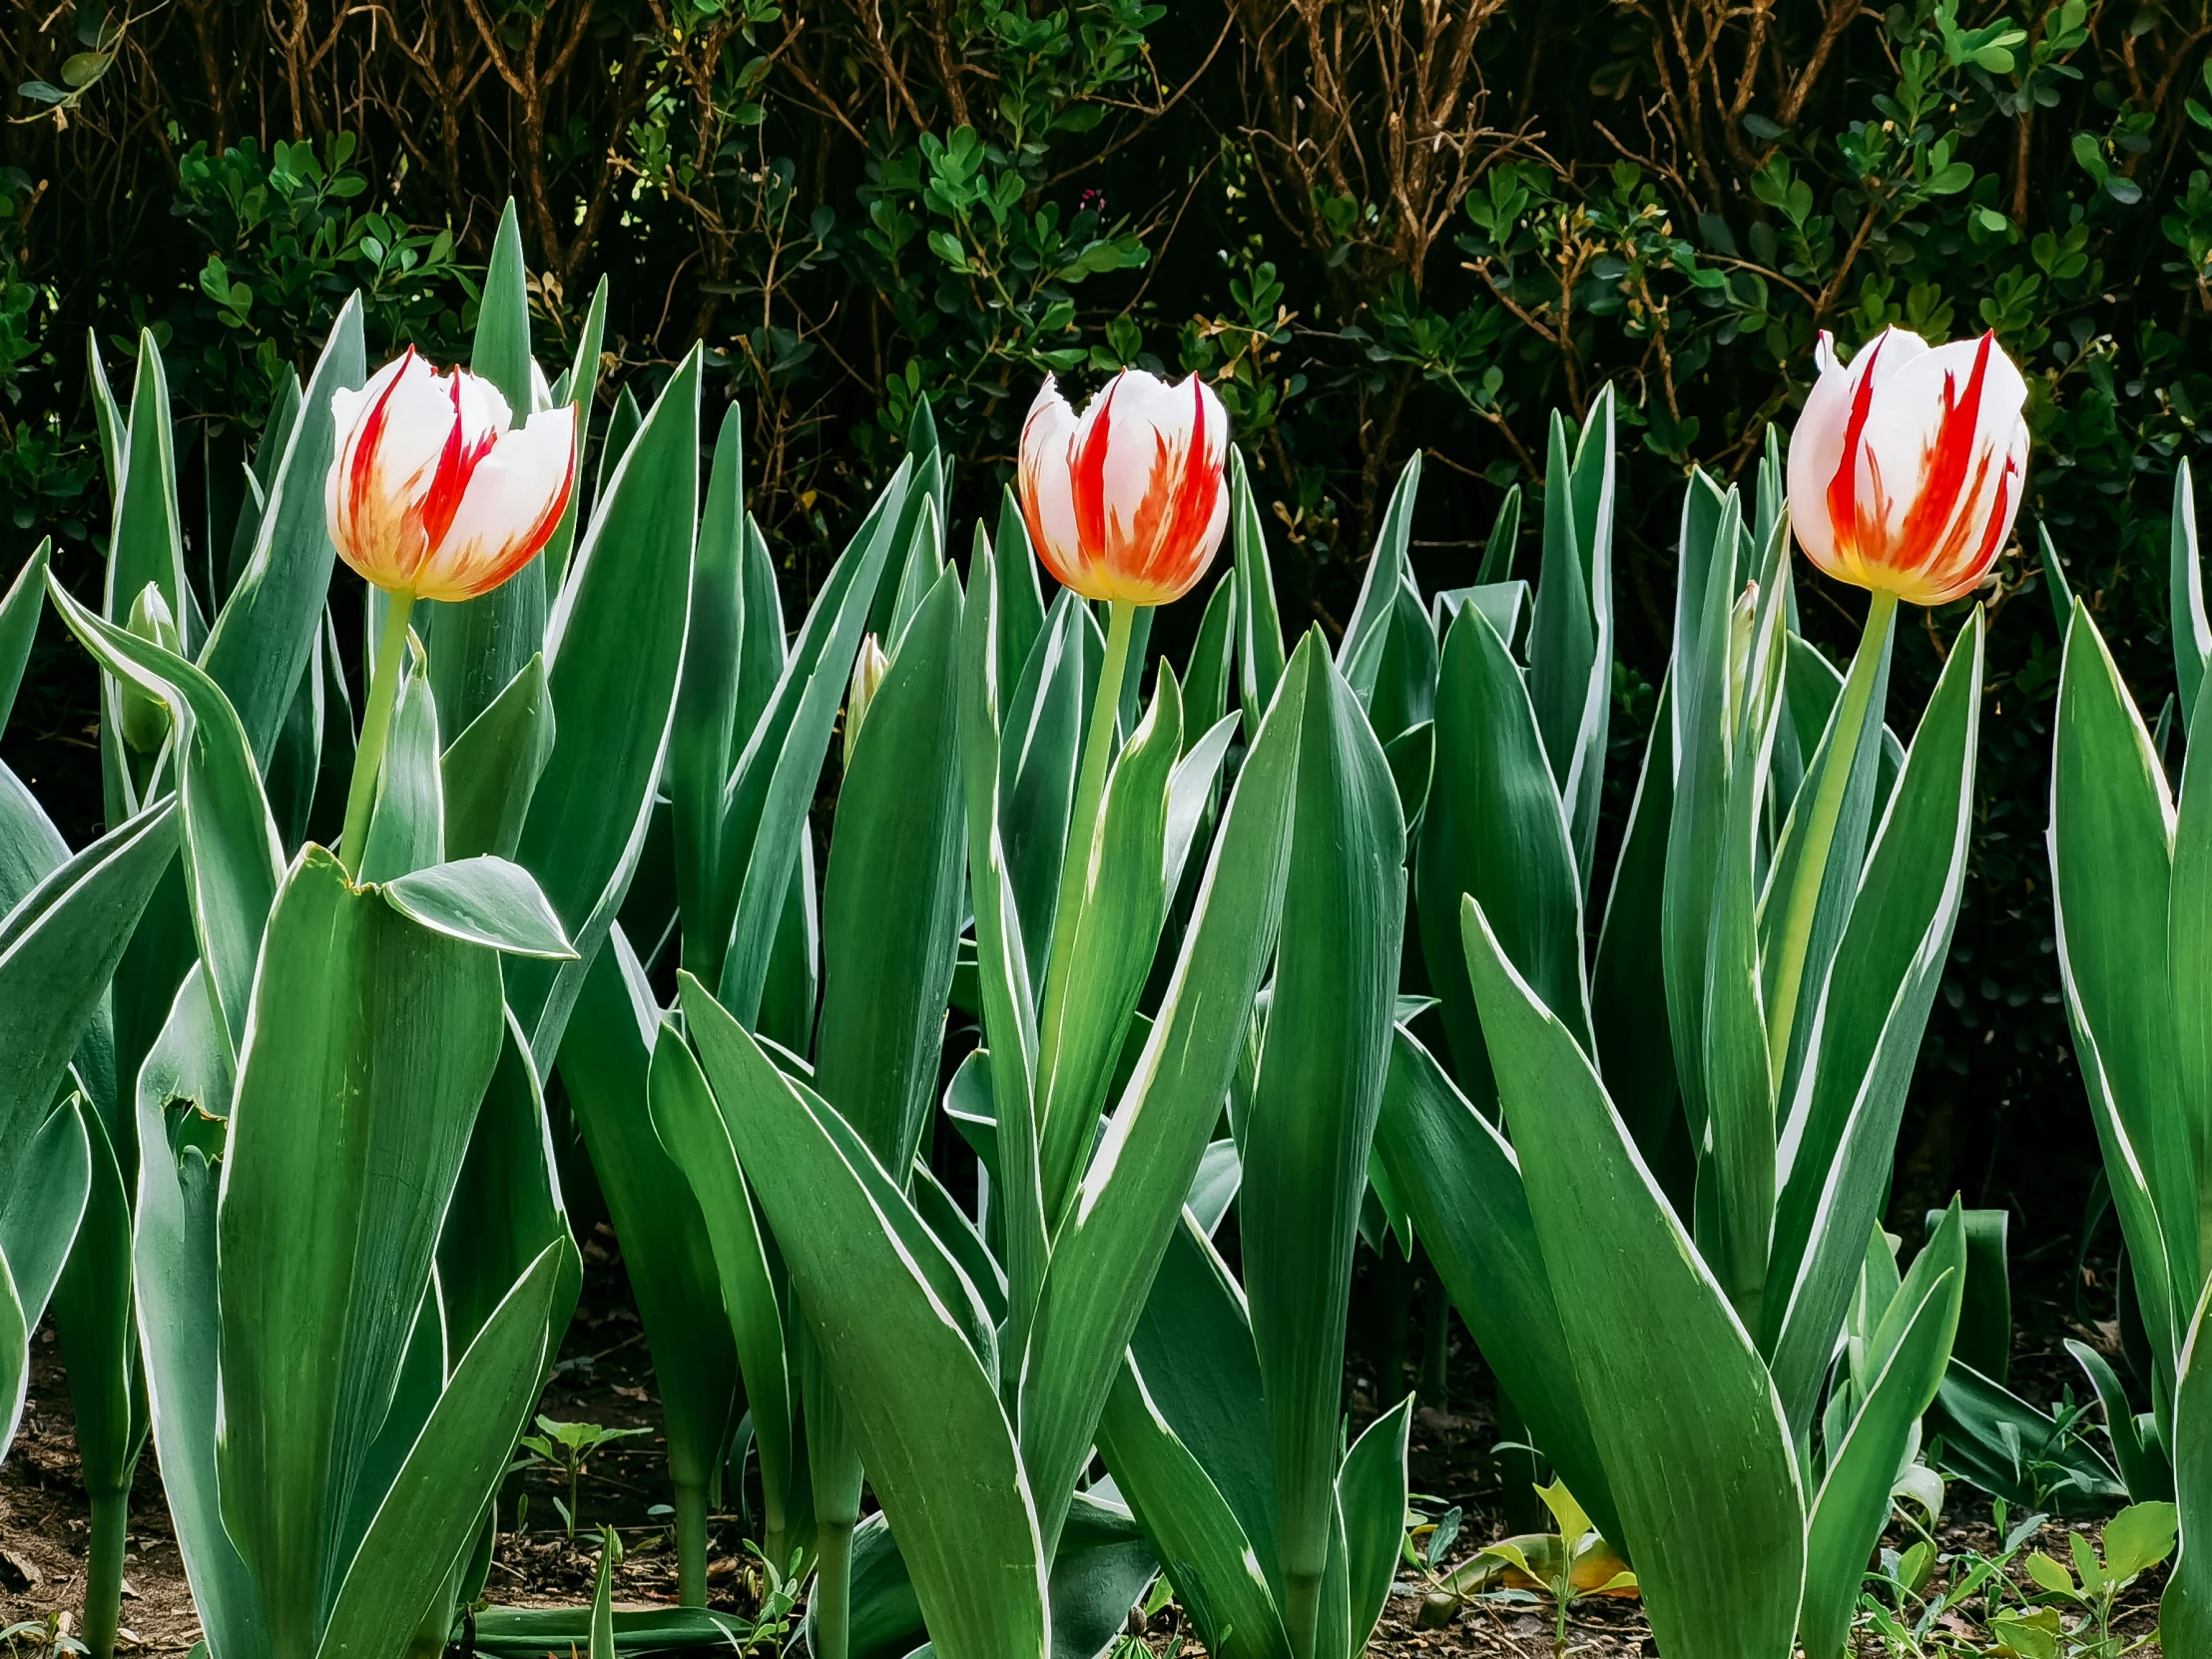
(1564, 1567)
(567, 1446)
(2135, 1540)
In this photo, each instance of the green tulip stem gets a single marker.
(368, 760)
(111, 1522)
(691, 1545)
(833, 1598)
(1819, 826)
(1090, 787)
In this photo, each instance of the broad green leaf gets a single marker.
(183, 1095)
(601, 1598)
(1359, 652)
(691, 1128)
(1260, 655)
(483, 900)
(891, 900)
(98, 1325)
(1839, 1143)
(1008, 1075)
(2192, 632)
(106, 415)
(51, 1169)
(1984, 1338)
(2142, 1461)
(146, 541)
(1695, 1448)
(1570, 652)
(532, 1632)
(582, 385)
(1020, 596)
(1371, 1491)
(233, 860)
(19, 613)
(15, 1356)
(1125, 895)
(1200, 1547)
(31, 848)
(408, 832)
(58, 949)
(492, 770)
(2112, 844)
(259, 646)
(938, 1448)
(1635, 1048)
(1493, 828)
(373, 1040)
(613, 647)
(1990, 1436)
(1462, 1185)
(1852, 1504)
(500, 351)
(1322, 1068)
(704, 730)
(260, 477)
(774, 782)
(1213, 660)
(507, 1205)
(1498, 549)
(1043, 714)
(606, 1063)
(1106, 1250)
(434, 1507)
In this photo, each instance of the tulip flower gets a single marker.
(1127, 502)
(1904, 477)
(1126, 506)
(435, 493)
(1905, 467)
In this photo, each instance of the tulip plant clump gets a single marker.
(1297, 931)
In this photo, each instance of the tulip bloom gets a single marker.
(435, 493)
(1127, 502)
(1905, 467)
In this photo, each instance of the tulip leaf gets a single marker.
(582, 385)
(1371, 1495)
(926, 1417)
(183, 1093)
(260, 477)
(1042, 709)
(1695, 1448)
(2185, 1610)
(1843, 1138)
(1570, 648)
(1202, 1548)
(452, 1472)
(147, 543)
(893, 898)
(58, 949)
(1020, 599)
(233, 860)
(259, 646)
(688, 1122)
(774, 782)
(1212, 662)
(1493, 828)
(19, 614)
(1852, 1504)
(2192, 632)
(1462, 1185)
(1321, 1066)
(1359, 652)
(15, 1356)
(408, 832)
(704, 730)
(492, 770)
(373, 1041)
(1259, 657)
(1119, 1220)
(45, 1202)
(612, 649)
(607, 1065)
(2113, 877)
(97, 1325)
(483, 900)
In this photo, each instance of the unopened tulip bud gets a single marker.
(1906, 467)
(145, 719)
(435, 493)
(1127, 502)
(868, 675)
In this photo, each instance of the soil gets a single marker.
(604, 1377)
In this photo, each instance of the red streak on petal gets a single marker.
(1843, 490)
(1195, 495)
(1944, 466)
(527, 546)
(368, 435)
(457, 462)
(1087, 481)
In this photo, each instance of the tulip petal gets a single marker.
(513, 499)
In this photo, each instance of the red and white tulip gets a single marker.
(435, 492)
(1906, 467)
(1127, 501)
